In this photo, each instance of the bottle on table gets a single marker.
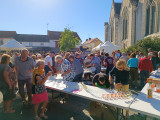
(150, 90)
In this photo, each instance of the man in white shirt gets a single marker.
(49, 62)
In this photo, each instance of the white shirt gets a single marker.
(48, 59)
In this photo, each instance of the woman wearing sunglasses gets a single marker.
(121, 75)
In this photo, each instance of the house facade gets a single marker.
(35, 42)
(132, 20)
(54, 37)
(91, 43)
(6, 36)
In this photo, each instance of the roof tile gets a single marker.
(7, 34)
(92, 41)
(55, 35)
(31, 38)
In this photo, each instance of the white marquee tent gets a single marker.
(12, 45)
(98, 47)
(109, 47)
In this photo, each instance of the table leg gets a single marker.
(117, 113)
(127, 114)
(120, 114)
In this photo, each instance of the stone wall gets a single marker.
(139, 22)
(136, 17)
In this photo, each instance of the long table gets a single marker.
(145, 105)
(91, 93)
(140, 103)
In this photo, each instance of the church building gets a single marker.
(132, 20)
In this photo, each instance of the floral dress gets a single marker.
(65, 66)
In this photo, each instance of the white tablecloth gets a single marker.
(155, 74)
(91, 93)
(103, 68)
(145, 105)
(89, 70)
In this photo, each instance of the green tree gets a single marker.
(144, 44)
(68, 40)
(131, 48)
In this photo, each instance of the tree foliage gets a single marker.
(144, 44)
(131, 48)
(67, 40)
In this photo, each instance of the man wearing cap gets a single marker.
(49, 62)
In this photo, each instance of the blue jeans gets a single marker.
(78, 78)
(143, 77)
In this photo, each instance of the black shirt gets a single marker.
(154, 62)
(96, 77)
(121, 76)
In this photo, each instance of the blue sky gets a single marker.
(86, 17)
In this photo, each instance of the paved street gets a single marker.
(74, 108)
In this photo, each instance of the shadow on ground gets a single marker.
(74, 108)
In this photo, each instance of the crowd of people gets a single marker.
(33, 69)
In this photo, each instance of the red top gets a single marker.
(145, 64)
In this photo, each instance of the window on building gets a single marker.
(30, 44)
(57, 44)
(159, 19)
(123, 29)
(42, 44)
(153, 19)
(111, 33)
(126, 28)
(147, 20)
